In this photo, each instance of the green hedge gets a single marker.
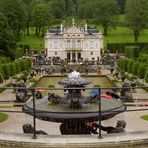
(140, 45)
(137, 68)
(129, 66)
(6, 71)
(132, 52)
(25, 48)
(146, 76)
(4, 59)
(144, 50)
(120, 47)
(116, 47)
(13, 68)
(19, 52)
(143, 58)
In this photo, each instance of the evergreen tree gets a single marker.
(136, 16)
(40, 18)
(7, 41)
(15, 13)
(105, 13)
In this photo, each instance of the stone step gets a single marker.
(136, 104)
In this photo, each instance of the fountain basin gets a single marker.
(48, 111)
(73, 109)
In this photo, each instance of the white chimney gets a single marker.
(85, 28)
(61, 28)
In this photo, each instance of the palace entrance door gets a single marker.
(73, 56)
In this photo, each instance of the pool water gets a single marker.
(53, 80)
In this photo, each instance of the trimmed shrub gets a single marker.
(12, 69)
(144, 50)
(140, 45)
(129, 66)
(26, 46)
(19, 52)
(146, 75)
(141, 70)
(96, 85)
(51, 86)
(116, 47)
(17, 66)
(6, 71)
(132, 52)
(135, 68)
(143, 58)
(4, 60)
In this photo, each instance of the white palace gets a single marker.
(74, 43)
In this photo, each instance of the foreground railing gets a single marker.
(99, 90)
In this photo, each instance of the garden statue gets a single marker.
(126, 95)
(133, 85)
(32, 73)
(22, 94)
(119, 128)
(111, 70)
(116, 74)
(27, 128)
(122, 78)
(108, 59)
(38, 95)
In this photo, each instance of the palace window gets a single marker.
(55, 44)
(51, 46)
(69, 44)
(91, 44)
(91, 53)
(55, 53)
(78, 44)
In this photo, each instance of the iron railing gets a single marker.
(87, 88)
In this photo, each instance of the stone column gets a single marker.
(70, 56)
(76, 56)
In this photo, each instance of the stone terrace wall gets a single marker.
(129, 140)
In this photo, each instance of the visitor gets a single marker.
(65, 92)
(39, 95)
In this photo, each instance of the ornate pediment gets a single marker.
(73, 29)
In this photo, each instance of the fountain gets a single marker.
(73, 109)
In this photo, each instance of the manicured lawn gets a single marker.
(122, 35)
(144, 117)
(3, 117)
(36, 43)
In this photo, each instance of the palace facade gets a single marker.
(74, 43)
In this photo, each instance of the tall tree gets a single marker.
(136, 16)
(27, 5)
(85, 10)
(57, 8)
(15, 13)
(71, 7)
(7, 41)
(121, 5)
(105, 12)
(40, 18)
